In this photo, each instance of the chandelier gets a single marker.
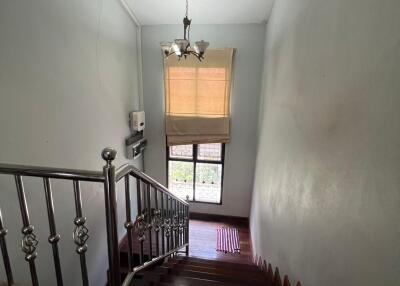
(181, 47)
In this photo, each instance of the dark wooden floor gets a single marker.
(203, 241)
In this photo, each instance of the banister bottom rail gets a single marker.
(131, 275)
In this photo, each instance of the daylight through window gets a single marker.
(196, 171)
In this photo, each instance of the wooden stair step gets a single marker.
(218, 264)
(213, 269)
(242, 278)
(213, 261)
(153, 275)
(158, 276)
(188, 281)
(140, 282)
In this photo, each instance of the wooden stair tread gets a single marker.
(228, 258)
(139, 282)
(211, 261)
(212, 269)
(219, 264)
(239, 278)
(181, 281)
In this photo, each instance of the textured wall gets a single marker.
(240, 152)
(68, 78)
(326, 203)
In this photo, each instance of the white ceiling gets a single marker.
(157, 12)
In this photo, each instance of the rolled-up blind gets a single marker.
(197, 98)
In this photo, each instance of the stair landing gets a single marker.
(203, 241)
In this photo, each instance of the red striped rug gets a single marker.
(228, 240)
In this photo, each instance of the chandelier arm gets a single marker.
(194, 53)
(171, 53)
(197, 55)
(187, 48)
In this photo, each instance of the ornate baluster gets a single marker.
(178, 219)
(171, 213)
(54, 236)
(110, 196)
(162, 224)
(178, 227)
(139, 227)
(156, 221)
(149, 219)
(187, 225)
(128, 224)
(176, 224)
(81, 233)
(29, 242)
(181, 224)
(4, 251)
(171, 220)
(172, 216)
(167, 224)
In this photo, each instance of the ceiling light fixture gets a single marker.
(181, 47)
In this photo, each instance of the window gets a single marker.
(197, 123)
(196, 171)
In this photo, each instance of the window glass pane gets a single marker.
(210, 152)
(181, 151)
(180, 179)
(208, 182)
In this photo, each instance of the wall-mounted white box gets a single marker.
(137, 121)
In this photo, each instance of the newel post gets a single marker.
(110, 196)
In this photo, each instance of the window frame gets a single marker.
(195, 160)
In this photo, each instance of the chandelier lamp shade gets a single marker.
(182, 47)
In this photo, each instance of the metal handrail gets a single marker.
(126, 169)
(162, 218)
(55, 173)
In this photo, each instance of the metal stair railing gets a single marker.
(162, 220)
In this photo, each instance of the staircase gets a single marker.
(191, 271)
(157, 233)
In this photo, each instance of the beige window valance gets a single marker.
(197, 98)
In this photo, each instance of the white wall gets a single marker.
(68, 78)
(240, 152)
(326, 204)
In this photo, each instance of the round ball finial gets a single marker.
(109, 154)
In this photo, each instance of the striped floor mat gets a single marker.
(228, 240)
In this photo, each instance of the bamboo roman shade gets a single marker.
(197, 98)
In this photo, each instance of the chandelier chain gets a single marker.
(187, 8)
